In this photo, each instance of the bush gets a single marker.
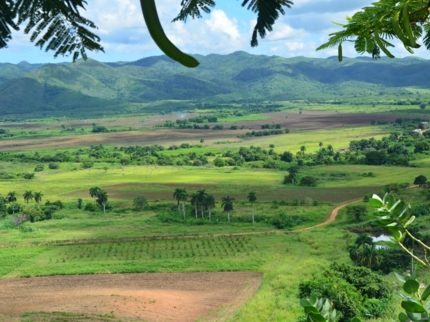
(89, 206)
(219, 162)
(39, 167)
(28, 175)
(308, 181)
(54, 166)
(87, 164)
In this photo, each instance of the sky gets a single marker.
(225, 30)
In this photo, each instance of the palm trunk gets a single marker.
(253, 213)
(195, 210)
(209, 210)
(104, 208)
(13, 208)
(38, 205)
(94, 200)
(183, 208)
(179, 207)
(228, 215)
(202, 209)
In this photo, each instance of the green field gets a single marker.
(158, 239)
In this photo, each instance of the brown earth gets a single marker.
(308, 120)
(176, 297)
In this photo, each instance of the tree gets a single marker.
(287, 157)
(177, 195)
(102, 199)
(303, 149)
(292, 173)
(201, 196)
(94, 192)
(420, 180)
(79, 203)
(38, 198)
(194, 202)
(209, 203)
(227, 204)
(252, 198)
(28, 195)
(423, 106)
(11, 197)
(140, 202)
(183, 198)
(356, 211)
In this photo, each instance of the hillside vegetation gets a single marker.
(90, 85)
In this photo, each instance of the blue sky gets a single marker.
(226, 29)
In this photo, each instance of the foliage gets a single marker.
(356, 211)
(308, 181)
(350, 289)
(140, 202)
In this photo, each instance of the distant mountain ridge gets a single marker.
(92, 85)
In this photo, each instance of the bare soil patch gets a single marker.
(177, 297)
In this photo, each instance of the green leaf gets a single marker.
(339, 52)
(375, 202)
(413, 307)
(316, 317)
(403, 317)
(387, 243)
(426, 293)
(389, 201)
(310, 308)
(314, 300)
(410, 221)
(411, 286)
(304, 303)
(399, 277)
(355, 320)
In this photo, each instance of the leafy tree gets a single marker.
(356, 211)
(287, 157)
(140, 202)
(423, 106)
(292, 174)
(252, 198)
(102, 199)
(420, 180)
(11, 197)
(94, 192)
(227, 204)
(38, 198)
(303, 149)
(28, 195)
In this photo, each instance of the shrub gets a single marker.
(54, 166)
(308, 181)
(87, 164)
(219, 162)
(39, 167)
(89, 206)
(28, 175)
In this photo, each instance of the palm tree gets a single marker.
(28, 195)
(11, 197)
(177, 195)
(38, 198)
(370, 256)
(201, 196)
(354, 253)
(227, 204)
(210, 203)
(364, 240)
(292, 173)
(252, 198)
(194, 202)
(94, 191)
(183, 197)
(303, 149)
(102, 198)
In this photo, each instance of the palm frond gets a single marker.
(267, 13)
(6, 22)
(192, 8)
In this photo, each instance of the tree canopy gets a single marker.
(59, 25)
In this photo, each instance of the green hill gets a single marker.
(93, 86)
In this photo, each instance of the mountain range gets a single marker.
(99, 87)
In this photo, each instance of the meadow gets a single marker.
(157, 239)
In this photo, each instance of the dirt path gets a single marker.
(178, 297)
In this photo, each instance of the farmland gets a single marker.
(140, 157)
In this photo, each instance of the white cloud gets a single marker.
(219, 23)
(283, 31)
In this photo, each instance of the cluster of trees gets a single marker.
(100, 196)
(265, 133)
(202, 201)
